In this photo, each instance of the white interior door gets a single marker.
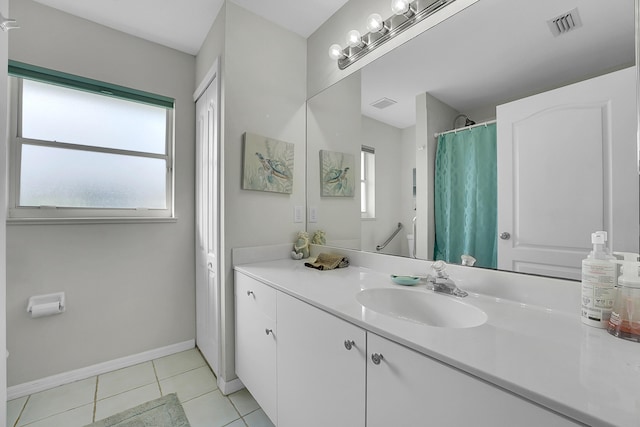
(567, 166)
(207, 283)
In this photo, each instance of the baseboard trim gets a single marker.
(46, 383)
(228, 387)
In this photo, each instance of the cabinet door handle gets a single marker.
(268, 331)
(249, 293)
(349, 344)
(376, 358)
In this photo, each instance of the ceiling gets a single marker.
(184, 24)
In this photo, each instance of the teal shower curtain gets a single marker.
(466, 196)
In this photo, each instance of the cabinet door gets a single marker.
(256, 341)
(320, 381)
(408, 389)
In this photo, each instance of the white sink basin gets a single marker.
(422, 307)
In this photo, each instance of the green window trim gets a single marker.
(33, 72)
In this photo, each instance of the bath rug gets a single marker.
(163, 412)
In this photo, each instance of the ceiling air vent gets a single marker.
(383, 103)
(564, 23)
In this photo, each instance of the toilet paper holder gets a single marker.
(46, 305)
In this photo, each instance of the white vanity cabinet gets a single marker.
(317, 369)
(256, 341)
(321, 367)
(407, 389)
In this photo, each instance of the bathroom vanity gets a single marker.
(320, 348)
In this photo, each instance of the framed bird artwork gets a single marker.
(336, 174)
(268, 164)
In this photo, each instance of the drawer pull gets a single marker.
(376, 358)
(249, 293)
(268, 331)
(349, 344)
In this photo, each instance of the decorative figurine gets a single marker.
(319, 238)
(301, 246)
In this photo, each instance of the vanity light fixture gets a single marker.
(354, 39)
(375, 24)
(406, 13)
(402, 7)
(335, 52)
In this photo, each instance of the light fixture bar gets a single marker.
(395, 25)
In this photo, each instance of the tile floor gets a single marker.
(186, 373)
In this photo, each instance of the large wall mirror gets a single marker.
(559, 102)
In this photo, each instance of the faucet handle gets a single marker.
(440, 269)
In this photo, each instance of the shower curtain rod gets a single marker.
(437, 134)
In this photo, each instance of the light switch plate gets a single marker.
(297, 213)
(313, 214)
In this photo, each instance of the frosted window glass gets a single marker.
(81, 179)
(55, 113)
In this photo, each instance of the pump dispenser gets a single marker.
(599, 279)
(625, 315)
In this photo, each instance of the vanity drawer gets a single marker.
(255, 294)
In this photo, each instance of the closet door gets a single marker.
(207, 282)
(567, 168)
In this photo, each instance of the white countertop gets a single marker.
(547, 356)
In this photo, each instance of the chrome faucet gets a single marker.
(441, 281)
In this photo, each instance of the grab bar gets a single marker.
(397, 230)
(415, 237)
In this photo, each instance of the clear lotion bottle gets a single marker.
(599, 280)
(625, 316)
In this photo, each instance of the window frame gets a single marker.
(368, 182)
(39, 214)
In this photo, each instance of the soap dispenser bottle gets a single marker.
(625, 315)
(599, 279)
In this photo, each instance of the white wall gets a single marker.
(4, 48)
(130, 287)
(387, 141)
(263, 92)
(407, 199)
(212, 46)
(334, 124)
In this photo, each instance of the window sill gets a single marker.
(73, 221)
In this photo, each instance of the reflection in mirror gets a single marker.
(564, 108)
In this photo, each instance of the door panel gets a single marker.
(207, 287)
(556, 179)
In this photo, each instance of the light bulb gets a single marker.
(354, 39)
(400, 7)
(375, 23)
(335, 52)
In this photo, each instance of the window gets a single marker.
(85, 149)
(367, 182)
